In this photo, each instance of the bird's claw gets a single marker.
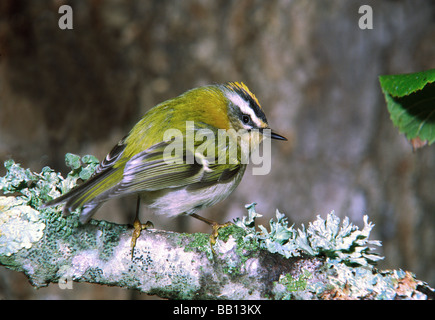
(137, 229)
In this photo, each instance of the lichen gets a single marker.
(368, 283)
(37, 188)
(20, 225)
(28, 192)
(169, 271)
(330, 259)
(348, 270)
(330, 238)
(234, 247)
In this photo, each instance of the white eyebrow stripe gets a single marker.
(244, 107)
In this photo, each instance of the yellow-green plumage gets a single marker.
(172, 114)
(137, 165)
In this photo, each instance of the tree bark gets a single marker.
(183, 266)
(167, 264)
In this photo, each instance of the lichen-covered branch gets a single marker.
(183, 266)
(170, 265)
(330, 259)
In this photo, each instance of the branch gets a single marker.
(167, 264)
(331, 259)
(180, 266)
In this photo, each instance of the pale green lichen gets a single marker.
(22, 220)
(20, 225)
(35, 189)
(348, 270)
(330, 238)
(38, 188)
(368, 283)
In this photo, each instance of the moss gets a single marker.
(303, 286)
(231, 230)
(237, 246)
(197, 242)
(293, 284)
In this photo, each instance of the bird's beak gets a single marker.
(277, 136)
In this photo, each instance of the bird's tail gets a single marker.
(90, 195)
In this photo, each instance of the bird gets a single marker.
(166, 162)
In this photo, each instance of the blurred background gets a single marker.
(314, 71)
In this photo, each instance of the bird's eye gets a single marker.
(246, 119)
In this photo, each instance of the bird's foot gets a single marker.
(216, 227)
(137, 229)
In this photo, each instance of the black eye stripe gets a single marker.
(243, 92)
(254, 106)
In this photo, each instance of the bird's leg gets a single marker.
(138, 227)
(215, 225)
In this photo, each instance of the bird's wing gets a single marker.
(158, 168)
(112, 157)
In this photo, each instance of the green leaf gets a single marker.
(411, 103)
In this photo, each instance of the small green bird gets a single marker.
(172, 170)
